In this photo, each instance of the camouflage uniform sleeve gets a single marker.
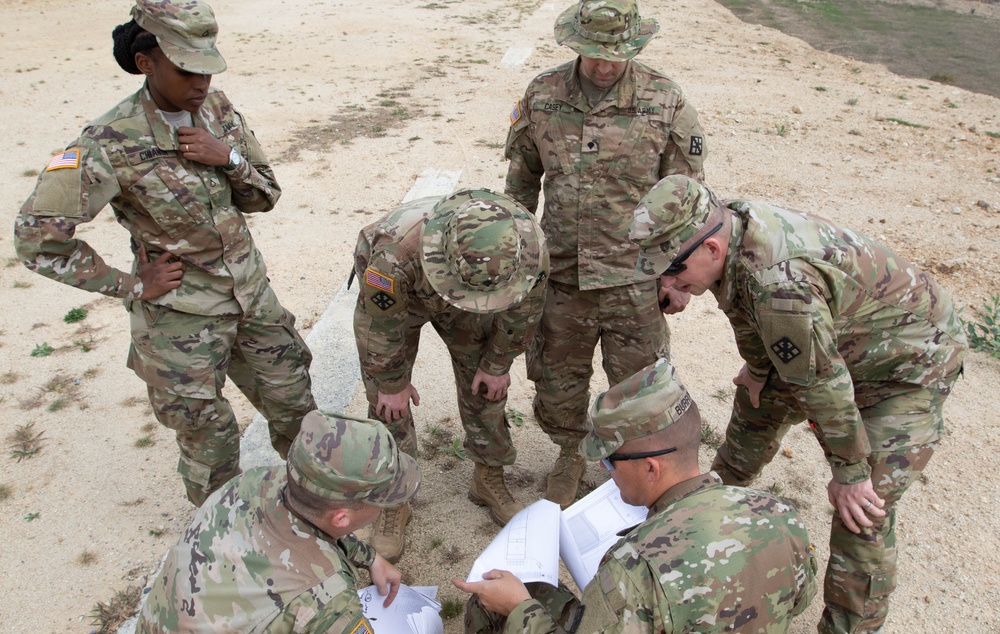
(798, 330)
(620, 599)
(332, 606)
(513, 329)
(359, 552)
(253, 183)
(524, 176)
(686, 150)
(384, 299)
(531, 617)
(751, 348)
(65, 197)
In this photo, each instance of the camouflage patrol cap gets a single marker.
(648, 401)
(482, 251)
(605, 29)
(185, 31)
(341, 458)
(668, 216)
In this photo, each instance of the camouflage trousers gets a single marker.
(904, 423)
(632, 332)
(487, 431)
(560, 603)
(184, 360)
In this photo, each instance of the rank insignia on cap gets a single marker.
(515, 114)
(376, 279)
(785, 349)
(70, 159)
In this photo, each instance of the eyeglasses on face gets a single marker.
(678, 266)
(609, 461)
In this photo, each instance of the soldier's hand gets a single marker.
(855, 502)
(160, 276)
(500, 591)
(671, 300)
(386, 578)
(751, 384)
(198, 144)
(496, 386)
(392, 407)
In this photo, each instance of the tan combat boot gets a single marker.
(564, 479)
(388, 532)
(488, 489)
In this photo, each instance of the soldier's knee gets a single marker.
(857, 602)
(185, 414)
(728, 472)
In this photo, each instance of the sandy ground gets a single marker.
(93, 511)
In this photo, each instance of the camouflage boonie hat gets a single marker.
(341, 458)
(668, 216)
(605, 29)
(481, 251)
(650, 400)
(185, 31)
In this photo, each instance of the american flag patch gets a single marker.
(70, 159)
(376, 279)
(515, 114)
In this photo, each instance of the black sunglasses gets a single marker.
(607, 462)
(678, 266)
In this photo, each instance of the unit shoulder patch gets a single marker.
(785, 350)
(789, 341)
(697, 145)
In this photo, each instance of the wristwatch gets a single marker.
(235, 158)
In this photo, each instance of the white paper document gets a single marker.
(532, 543)
(590, 527)
(414, 610)
(528, 546)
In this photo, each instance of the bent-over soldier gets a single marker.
(835, 329)
(471, 264)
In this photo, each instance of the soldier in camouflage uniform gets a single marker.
(274, 550)
(470, 264)
(602, 130)
(708, 558)
(834, 329)
(180, 168)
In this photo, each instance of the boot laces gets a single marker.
(389, 517)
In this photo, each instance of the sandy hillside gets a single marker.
(96, 507)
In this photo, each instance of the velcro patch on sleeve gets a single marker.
(382, 282)
(69, 159)
(363, 627)
(515, 114)
(59, 191)
(788, 338)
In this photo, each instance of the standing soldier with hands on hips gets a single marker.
(180, 168)
(472, 264)
(597, 133)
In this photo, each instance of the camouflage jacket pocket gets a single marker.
(164, 193)
(638, 159)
